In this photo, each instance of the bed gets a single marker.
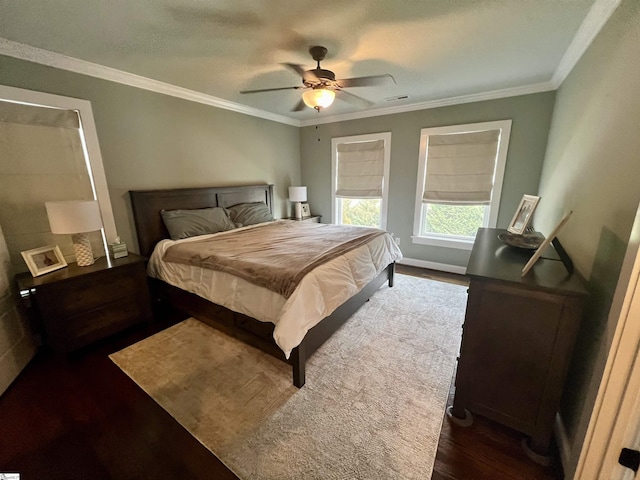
(152, 234)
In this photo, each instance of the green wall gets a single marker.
(149, 140)
(592, 167)
(531, 115)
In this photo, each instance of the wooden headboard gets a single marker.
(146, 206)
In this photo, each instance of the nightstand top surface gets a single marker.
(26, 280)
(303, 218)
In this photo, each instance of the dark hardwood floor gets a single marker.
(82, 418)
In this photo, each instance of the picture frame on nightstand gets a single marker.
(306, 210)
(44, 259)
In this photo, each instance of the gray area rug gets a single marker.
(372, 406)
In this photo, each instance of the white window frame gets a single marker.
(491, 219)
(90, 146)
(386, 136)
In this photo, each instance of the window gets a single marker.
(459, 182)
(359, 179)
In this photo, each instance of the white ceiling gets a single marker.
(435, 49)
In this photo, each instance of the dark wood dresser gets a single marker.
(79, 305)
(518, 338)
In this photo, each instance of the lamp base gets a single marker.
(82, 249)
(298, 210)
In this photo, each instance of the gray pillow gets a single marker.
(189, 223)
(245, 214)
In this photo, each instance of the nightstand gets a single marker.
(311, 219)
(76, 306)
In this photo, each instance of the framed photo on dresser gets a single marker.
(523, 215)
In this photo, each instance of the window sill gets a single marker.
(443, 242)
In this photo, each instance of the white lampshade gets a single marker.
(76, 217)
(298, 194)
(318, 98)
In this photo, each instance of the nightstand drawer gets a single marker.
(109, 318)
(81, 294)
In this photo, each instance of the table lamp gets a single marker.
(76, 217)
(297, 195)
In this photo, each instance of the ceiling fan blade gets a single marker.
(299, 69)
(365, 81)
(307, 75)
(354, 99)
(271, 89)
(299, 106)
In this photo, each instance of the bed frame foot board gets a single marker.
(319, 334)
(260, 334)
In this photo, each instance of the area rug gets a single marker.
(372, 406)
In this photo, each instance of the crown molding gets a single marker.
(598, 15)
(443, 102)
(64, 62)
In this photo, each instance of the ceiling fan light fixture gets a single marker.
(318, 98)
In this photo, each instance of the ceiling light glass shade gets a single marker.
(318, 98)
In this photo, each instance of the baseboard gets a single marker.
(562, 439)
(443, 267)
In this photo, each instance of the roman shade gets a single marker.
(360, 169)
(38, 116)
(461, 167)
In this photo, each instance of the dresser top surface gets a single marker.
(494, 260)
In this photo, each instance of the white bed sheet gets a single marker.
(319, 293)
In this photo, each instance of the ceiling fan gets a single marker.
(320, 86)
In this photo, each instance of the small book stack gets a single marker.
(118, 249)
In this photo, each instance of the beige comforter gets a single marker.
(275, 255)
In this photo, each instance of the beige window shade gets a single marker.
(37, 115)
(360, 169)
(460, 167)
